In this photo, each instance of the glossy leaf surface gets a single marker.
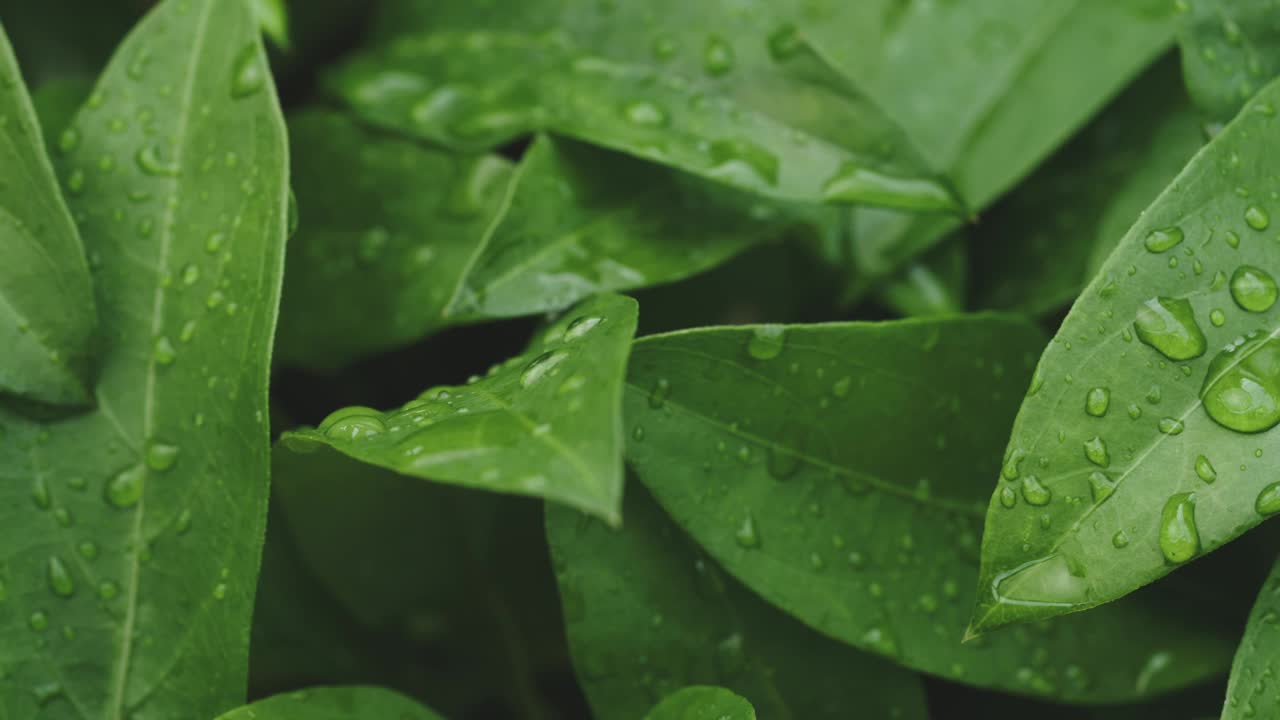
(647, 613)
(703, 703)
(1230, 50)
(1251, 690)
(47, 313)
(545, 423)
(1146, 422)
(132, 533)
(334, 703)
(784, 452)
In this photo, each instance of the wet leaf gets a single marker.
(334, 703)
(1230, 50)
(1252, 688)
(703, 703)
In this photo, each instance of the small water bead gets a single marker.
(353, 423)
(164, 353)
(1035, 493)
(542, 366)
(1095, 449)
(87, 550)
(658, 395)
(580, 326)
(747, 536)
(766, 342)
(1268, 501)
(1257, 218)
(1135, 411)
(247, 72)
(1159, 241)
(1097, 401)
(150, 162)
(1008, 497)
(1012, 465)
(1253, 288)
(125, 489)
(1171, 426)
(717, 56)
(784, 43)
(38, 621)
(1101, 487)
(1241, 389)
(69, 140)
(1169, 326)
(664, 48)
(60, 581)
(1179, 537)
(108, 590)
(1217, 317)
(1204, 469)
(645, 114)
(161, 456)
(1120, 540)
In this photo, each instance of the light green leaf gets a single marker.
(703, 703)
(47, 313)
(647, 613)
(430, 570)
(1149, 394)
(936, 283)
(839, 470)
(131, 533)
(273, 16)
(387, 228)
(545, 423)
(1250, 688)
(741, 98)
(334, 703)
(986, 89)
(1043, 244)
(570, 230)
(1230, 50)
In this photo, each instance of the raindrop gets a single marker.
(1169, 326)
(580, 327)
(644, 114)
(1035, 493)
(1171, 426)
(1100, 486)
(784, 43)
(717, 56)
(1268, 502)
(747, 536)
(125, 489)
(1095, 449)
(743, 162)
(766, 342)
(1120, 540)
(1257, 218)
(1179, 538)
(1253, 288)
(1217, 317)
(658, 395)
(1096, 401)
(353, 423)
(247, 73)
(1008, 497)
(60, 581)
(1159, 241)
(161, 456)
(164, 352)
(150, 163)
(1204, 469)
(1242, 387)
(542, 366)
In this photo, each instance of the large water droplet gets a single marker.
(766, 342)
(1100, 486)
(1097, 401)
(542, 366)
(580, 326)
(353, 423)
(1257, 218)
(150, 162)
(1204, 469)
(1160, 240)
(125, 489)
(1046, 581)
(1242, 387)
(1253, 288)
(1095, 449)
(1179, 537)
(717, 56)
(743, 162)
(161, 456)
(1035, 493)
(60, 581)
(1268, 502)
(1169, 326)
(248, 74)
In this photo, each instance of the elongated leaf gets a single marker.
(1230, 50)
(131, 534)
(273, 16)
(387, 227)
(647, 613)
(1042, 245)
(456, 584)
(47, 313)
(936, 283)
(571, 231)
(987, 89)
(839, 471)
(545, 423)
(703, 703)
(1251, 689)
(733, 96)
(334, 703)
(1149, 393)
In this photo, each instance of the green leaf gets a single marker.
(1147, 390)
(457, 581)
(545, 423)
(987, 89)
(387, 228)
(839, 470)
(1230, 50)
(131, 533)
(1250, 686)
(47, 314)
(56, 102)
(581, 221)
(741, 98)
(273, 16)
(703, 703)
(936, 283)
(1042, 245)
(647, 614)
(334, 703)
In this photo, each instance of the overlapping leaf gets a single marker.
(785, 452)
(647, 614)
(1230, 50)
(703, 703)
(546, 423)
(1252, 688)
(131, 533)
(1145, 430)
(47, 313)
(736, 96)
(334, 703)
